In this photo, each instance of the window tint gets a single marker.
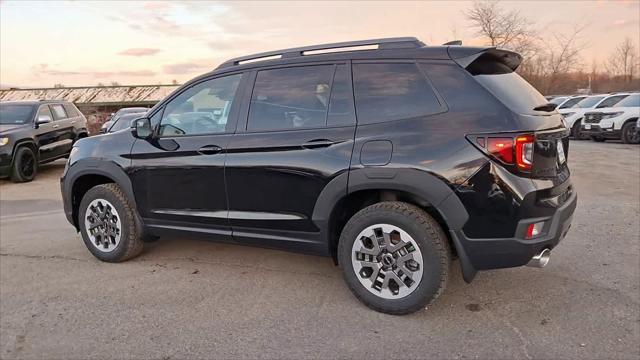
(58, 112)
(291, 98)
(201, 109)
(71, 110)
(341, 111)
(386, 92)
(610, 101)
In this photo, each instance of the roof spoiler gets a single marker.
(466, 56)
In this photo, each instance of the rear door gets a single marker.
(295, 138)
(64, 126)
(179, 173)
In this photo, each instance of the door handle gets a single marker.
(55, 126)
(209, 150)
(317, 144)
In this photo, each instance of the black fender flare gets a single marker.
(423, 184)
(99, 167)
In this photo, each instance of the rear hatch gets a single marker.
(539, 148)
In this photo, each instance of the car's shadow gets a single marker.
(50, 170)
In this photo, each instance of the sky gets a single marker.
(83, 43)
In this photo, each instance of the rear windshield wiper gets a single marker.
(546, 107)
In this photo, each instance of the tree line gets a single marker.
(553, 63)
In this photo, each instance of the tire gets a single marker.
(629, 135)
(598, 139)
(424, 241)
(575, 131)
(25, 165)
(107, 201)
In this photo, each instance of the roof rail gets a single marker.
(385, 43)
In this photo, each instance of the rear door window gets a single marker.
(392, 91)
(58, 112)
(291, 98)
(629, 101)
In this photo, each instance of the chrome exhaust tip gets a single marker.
(540, 260)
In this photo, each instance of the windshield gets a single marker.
(591, 101)
(629, 101)
(572, 101)
(558, 100)
(16, 113)
(124, 122)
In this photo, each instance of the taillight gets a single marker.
(524, 151)
(502, 148)
(516, 150)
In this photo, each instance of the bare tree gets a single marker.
(58, 86)
(624, 61)
(115, 83)
(503, 28)
(562, 55)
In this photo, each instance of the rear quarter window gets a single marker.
(392, 91)
(71, 110)
(513, 91)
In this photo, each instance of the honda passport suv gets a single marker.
(391, 157)
(36, 132)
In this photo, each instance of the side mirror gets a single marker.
(43, 119)
(141, 128)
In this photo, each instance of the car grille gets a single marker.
(592, 118)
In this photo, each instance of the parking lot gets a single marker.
(186, 298)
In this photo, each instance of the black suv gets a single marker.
(36, 132)
(391, 159)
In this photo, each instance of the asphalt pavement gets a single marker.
(197, 299)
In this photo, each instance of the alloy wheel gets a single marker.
(103, 225)
(387, 261)
(27, 164)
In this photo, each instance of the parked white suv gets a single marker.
(573, 114)
(616, 122)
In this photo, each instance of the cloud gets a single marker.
(623, 23)
(188, 67)
(139, 52)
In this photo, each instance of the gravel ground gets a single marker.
(196, 299)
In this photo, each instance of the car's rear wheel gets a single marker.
(629, 133)
(25, 165)
(108, 224)
(394, 257)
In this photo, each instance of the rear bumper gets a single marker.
(485, 254)
(597, 131)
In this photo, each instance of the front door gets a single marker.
(295, 138)
(50, 142)
(179, 173)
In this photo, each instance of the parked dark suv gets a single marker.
(390, 160)
(36, 132)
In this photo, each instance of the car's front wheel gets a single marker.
(108, 224)
(629, 133)
(394, 257)
(25, 165)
